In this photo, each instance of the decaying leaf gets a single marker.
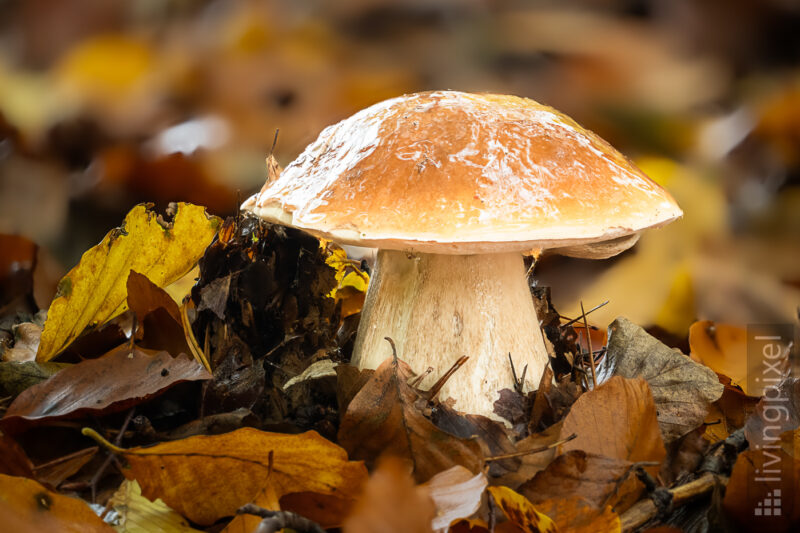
(382, 419)
(723, 348)
(95, 290)
(600, 481)
(16, 377)
(55, 472)
(390, 503)
(26, 506)
(617, 420)
(112, 383)
(682, 389)
(206, 478)
(13, 460)
(137, 514)
(776, 413)
(762, 481)
(531, 463)
(521, 512)
(576, 515)
(456, 493)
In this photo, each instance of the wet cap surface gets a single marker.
(452, 172)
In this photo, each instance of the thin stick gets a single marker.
(442, 380)
(529, 452)
(573, 320)
(589, 340)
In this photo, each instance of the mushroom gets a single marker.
(453, 188)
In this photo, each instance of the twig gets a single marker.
(646, 509)
(532, 451)
(589, 340)
(442, 380)
(100, 471)
(624, 477)
(517, 382)
(573, 320)
(422, 376)
(276, 520)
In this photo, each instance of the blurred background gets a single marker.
(107, 104)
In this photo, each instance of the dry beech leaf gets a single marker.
(729, 413)
(158, 316)
(382, 419)
(456, 493)
(95, 290)
(391, 503)
(532, 463)
(617, 420)
(521, 512)
(25, 506)
(206, 478)
(13, 459)
(55, 472)
(760, 475)
(723, 348)
(594, 478)
(137, 514)
(575, 515)
(682, 389)
(144, 297)
(114, 382)
(247, 523)
(774, 414)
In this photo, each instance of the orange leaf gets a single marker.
(26, 506)
(206, 478)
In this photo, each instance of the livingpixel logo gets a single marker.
(770, 350)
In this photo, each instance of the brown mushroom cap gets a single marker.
(459, 173)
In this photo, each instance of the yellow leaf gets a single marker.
(140, 515)
(26, 506)
(206, 478)
(521, 512)
(95, 291)
(107, 68)
(351, 281)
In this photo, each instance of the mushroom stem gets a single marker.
(437, 308)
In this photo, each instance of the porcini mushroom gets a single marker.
(453, 188)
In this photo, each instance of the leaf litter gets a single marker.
(274, 312)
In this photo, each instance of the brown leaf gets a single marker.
(112, 383)
(682, 389)
(521, 512)
(329, 511)
(144, 297)
(13, 460)
(206, 478)
(391, 503)
(776, 413)
(764, 480)
(575, 515)
(382, 419)
(530, 464)
(25, 506)
(592, 477)
(618, 420)
(55, 472)
(456, 493)
(729, 413)
(684, 456)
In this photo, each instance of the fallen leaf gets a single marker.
(456, 493)
(144, 297)
(729, 413)
(531, 463)
(382, 419)
(137, 514)
(206, 478)
(723, 348)
(112, 383)
(390, 503)
(55, 472)
(681, 388)
(159, 318)
(13, 460)
(762, 494)
(684, 456)
(326, 510)
(775, 413)
(521, 512)
(16, 377)
(617, 420)
(575, 515)
(600, 481)
(26, 341)
(95, 290)
(26, 503)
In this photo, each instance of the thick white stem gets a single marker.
(437, 308)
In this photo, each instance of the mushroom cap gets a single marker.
(459, 173)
